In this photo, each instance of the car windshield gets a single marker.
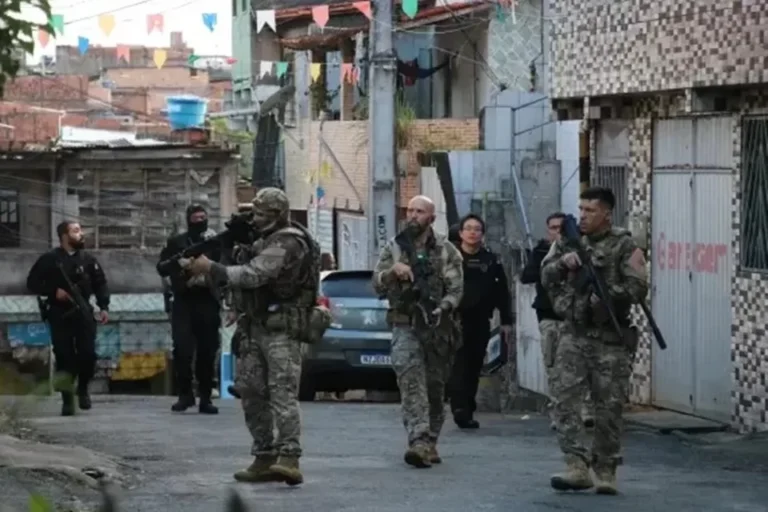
(355, 285)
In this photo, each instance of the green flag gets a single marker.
(57, 22)
(410, 7)
(282, 68)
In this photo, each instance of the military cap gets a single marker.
(272, 200)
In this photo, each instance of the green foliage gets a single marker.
(405, 115)
(38, 503)
(18, 35)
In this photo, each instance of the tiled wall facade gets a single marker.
(514, 42)
(749, 300)
(625, 46)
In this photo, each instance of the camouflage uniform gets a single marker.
(421, 356)
(590, 352)
(279, 288)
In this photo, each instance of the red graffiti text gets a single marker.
(700, 257)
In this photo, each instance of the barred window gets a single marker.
(754, 193)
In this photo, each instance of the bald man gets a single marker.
(420, 273)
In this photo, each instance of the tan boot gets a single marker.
(418, 456)
(605, 481)
(259, 471)
(432, 454)
(288, 468)
(575, 478)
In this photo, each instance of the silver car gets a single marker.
(355, 350)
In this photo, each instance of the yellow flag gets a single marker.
(107, 23)
(314, 70)
(159, 57)
(325, 170)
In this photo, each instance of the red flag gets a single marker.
(320, 15)
(154, 22)
(124, 52)
(364, 7)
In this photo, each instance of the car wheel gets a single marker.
(306, 389)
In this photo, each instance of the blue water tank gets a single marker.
(186, 112)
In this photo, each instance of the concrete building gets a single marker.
(673, 94)
(129, 197)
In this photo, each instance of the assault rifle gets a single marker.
(79, 304)
(572, 236)
(239, 229)
(422, 269)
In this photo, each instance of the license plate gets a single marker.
(376, 360)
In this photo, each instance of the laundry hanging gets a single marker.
(409, 71)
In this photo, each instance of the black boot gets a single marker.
(83, 397)
(232, 390)
(184, 402)
(464, 419)
(206, 406)
(67, 403)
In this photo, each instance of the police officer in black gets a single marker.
(485, 289)
(73, 331)
(195, 317)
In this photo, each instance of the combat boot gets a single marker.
(206, 405)
(605, 480)
(183, 403)
(259, 472)
(575, 478)
(418, 456)
(434, 457)
(67, 403)
(288, 468)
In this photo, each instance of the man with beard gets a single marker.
(73, 332)
(485, 289)
(420, 273)
(279, 286)
(195, 317)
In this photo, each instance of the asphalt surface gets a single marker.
(353, 462)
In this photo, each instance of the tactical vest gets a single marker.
(301, 294)
(438, 257)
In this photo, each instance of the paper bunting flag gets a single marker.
(364, 7)
(82, 44)
(265, 68)
(107, 23)
(314, 70)
(282, 68)
(159, 57)
(320, 15)
(410, 7)
(57, 22)
(265, 18)
(349, 73)
(231, 60)
(209, 20)
(43, 37)
(123, 52)
(192, 59)
(154, 22)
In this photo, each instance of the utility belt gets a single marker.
(606, 334)
(305, 323)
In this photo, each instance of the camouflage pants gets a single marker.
(269, 370)
(422, 367)
(550, 335)
(583, 363)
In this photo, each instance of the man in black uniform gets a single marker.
(73, 332)
(195, 317)
(485, 289)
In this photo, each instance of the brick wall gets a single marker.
(623, 46)
(348, 141)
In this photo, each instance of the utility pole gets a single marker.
(382, 174)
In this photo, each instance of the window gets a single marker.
(234, 7)
(754, 193)
(10, 233)
(245, 6)
(139, 208)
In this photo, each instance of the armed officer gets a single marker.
(420, 273)
(195, 317)
(66, 277)
(590, 352)
(485, 290)
(279, 286)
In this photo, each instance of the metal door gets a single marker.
(352, 241)
(691, 268)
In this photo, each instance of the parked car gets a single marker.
(355, 350)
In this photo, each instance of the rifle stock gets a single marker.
(80, 304)
(420, 289)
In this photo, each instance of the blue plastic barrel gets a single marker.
(186, 111)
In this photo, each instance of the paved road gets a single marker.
(353, 462)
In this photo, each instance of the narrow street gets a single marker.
(353, 461)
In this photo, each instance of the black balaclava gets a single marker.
(196, 229)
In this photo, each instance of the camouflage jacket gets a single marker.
(572, 297)
(446, 281)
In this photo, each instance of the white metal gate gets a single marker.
(352, 241)
(692, 264)
(320, 224)
(612, 155)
